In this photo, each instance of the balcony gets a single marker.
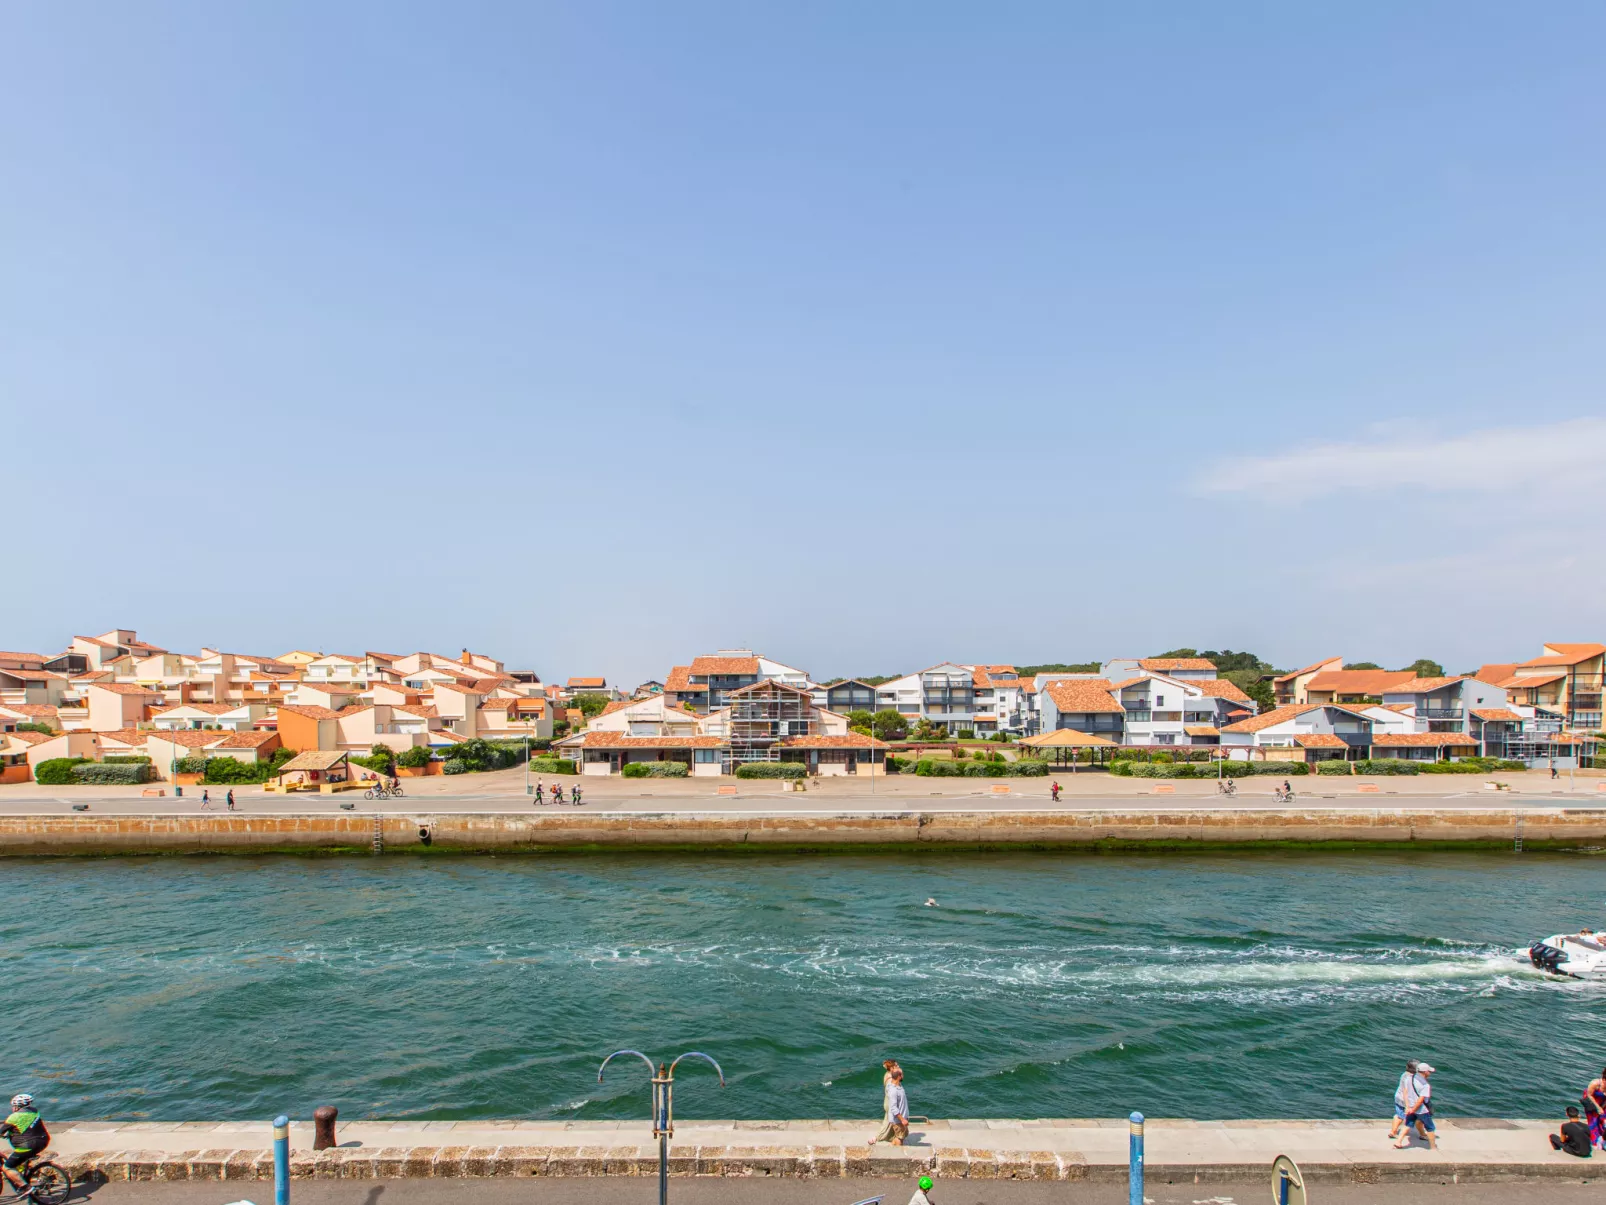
(1440, 713)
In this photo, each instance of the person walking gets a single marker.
(206, 800)
(230, 799)
(1054, 791)
(1594, 1102)
(1420, 1113)
(1404, 1095)
(574, 794)
(898, 1105)
(557, 792)
(887, 1129)
(1574, 1136)
(540, 792)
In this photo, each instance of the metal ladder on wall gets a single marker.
(379, 835)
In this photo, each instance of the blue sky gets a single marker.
(597, 335)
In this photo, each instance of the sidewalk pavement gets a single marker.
(1343, 1150)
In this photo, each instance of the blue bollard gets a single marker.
(1134, 1170)
(281, 1160)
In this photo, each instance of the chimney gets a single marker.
(467, 660)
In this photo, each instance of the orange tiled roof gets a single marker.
(428, 713)
(579, 683)
(29, 675)
(1319, 740)
(124, 688)
(1161, 664)
(1520, 680)
(679, 679)
(1358, 681)
(1277, 715)
(1422, 686)
(42, 710)
(1421, 739)
(14, 656)
(850, 740)
(1495, 713)
(618, 740)
(126, 736)
(29, 738)
(1198, 730)
(724, 665)
(1574, 652)
(190, 738)
(1309, 669)
(209, 708)
(247, 740)
(1217, 688)
(1125, 682)
(1081, 695)
(311, 711)
(1496, 672)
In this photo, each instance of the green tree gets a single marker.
(1424, 668)
(888, 725)
(1253, 683)
(1226, 659)
(860, 720)
(1363, 665)
(1180, 653)
(926, 730)
(42, 729)
(590, 704)
(1058, 667)
(382, 758)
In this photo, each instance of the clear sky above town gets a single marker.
(597, 335)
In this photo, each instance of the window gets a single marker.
(705, 756)
(1159, 700)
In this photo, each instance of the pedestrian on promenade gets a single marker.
(557, 792)
(1420, 1113)
(922, 1192)
(206, 799)
(574, 794)
(230, 800)
(888, 1066)
(897, 1127)
(1594, 1102)
(1054, 791)
(1404, 1095)
(1574, 1137)
(540, 792)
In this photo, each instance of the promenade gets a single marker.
(1471, 1150)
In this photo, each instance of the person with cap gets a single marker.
(1419, 1113)
(1574, 1136)
(1403, 1097)
(922, 1191)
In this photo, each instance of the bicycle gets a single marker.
(1227, 787)
(45, 1184)
(1283, 796)
(376, 793)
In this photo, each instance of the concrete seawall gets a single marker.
(1178, 1151)
(1138, 827)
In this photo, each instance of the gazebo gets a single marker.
(324, 770)
(1062, 739)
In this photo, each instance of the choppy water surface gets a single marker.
(1039, 986)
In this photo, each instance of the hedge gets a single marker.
(125, 759)
(551, 765)
(1029, 767)
(99, 774)
(415, 758)
(1230, 769)
(1387, 765)
(1335, 765)
(1472, 765)
(454, 767)
(772, 769)
(656, 769)
(190, 765)
(57, 772)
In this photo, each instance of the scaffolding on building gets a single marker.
(762, 716)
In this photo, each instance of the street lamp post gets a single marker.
(526, 763)
(663, 1105)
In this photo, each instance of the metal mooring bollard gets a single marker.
(323, 1127)
(281, 1160)
(1135, 1160)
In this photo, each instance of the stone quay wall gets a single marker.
(1158, 827)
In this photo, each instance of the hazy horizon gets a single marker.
(599, 336)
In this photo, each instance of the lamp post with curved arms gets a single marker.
(663, 1105)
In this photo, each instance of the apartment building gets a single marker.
(1563, 684)
(707, 683)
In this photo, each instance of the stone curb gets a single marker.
(824, 1162)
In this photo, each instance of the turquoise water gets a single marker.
(1040, 985)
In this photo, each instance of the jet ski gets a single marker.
(1582, 956)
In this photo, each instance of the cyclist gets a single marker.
(922, 1192)
(25, 1131)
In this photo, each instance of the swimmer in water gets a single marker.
(931, 902)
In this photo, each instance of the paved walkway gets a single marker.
(952, 1147)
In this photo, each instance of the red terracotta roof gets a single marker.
(209, 708)
(124, 688)
(618, 740)
(40, 710)
(133, 737)
(1517, 681)
(579, 683)
(29, 738)
(248, 740)
(1568, 654)
(309, 710)
(1319, 740)
(679, 679)
(6, 655)
(1309, 669)
(1277, 715)
(1082, 695)
(724, 665)
(1358, 681)
(1161, 664)
(1421, 739)
(1495, 713)
(190, 738)
(1217, 688)
(1422, 686)
(850, 740)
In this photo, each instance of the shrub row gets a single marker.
(190, 765)
(1025, 768)
(100, 774)
(772, 769)
(454, 766)
(125, 759)
(546, 765)
(1232, 769)
(1335, 765)
(656, 769)
(1471, 765)
(57, 772)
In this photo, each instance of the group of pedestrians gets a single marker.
(1413, 1106)
(1580, 1134)
(557, 793)
(206, 800)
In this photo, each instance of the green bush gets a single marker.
(900, 764)
(551, 765)
(656, 769)
(415, 758)
(99, 774)
(1333, 766)
(125, 759)
(380, 757)
(1029, 767)
(929, 768)
(967, 734)
(34, 726)
(231, 771)
(190, 765)
(1388, 765)
(772, 769)
(57, 772)
(454, 767)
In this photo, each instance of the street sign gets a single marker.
(1287, 1185)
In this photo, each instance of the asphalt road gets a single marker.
(610, 1191)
